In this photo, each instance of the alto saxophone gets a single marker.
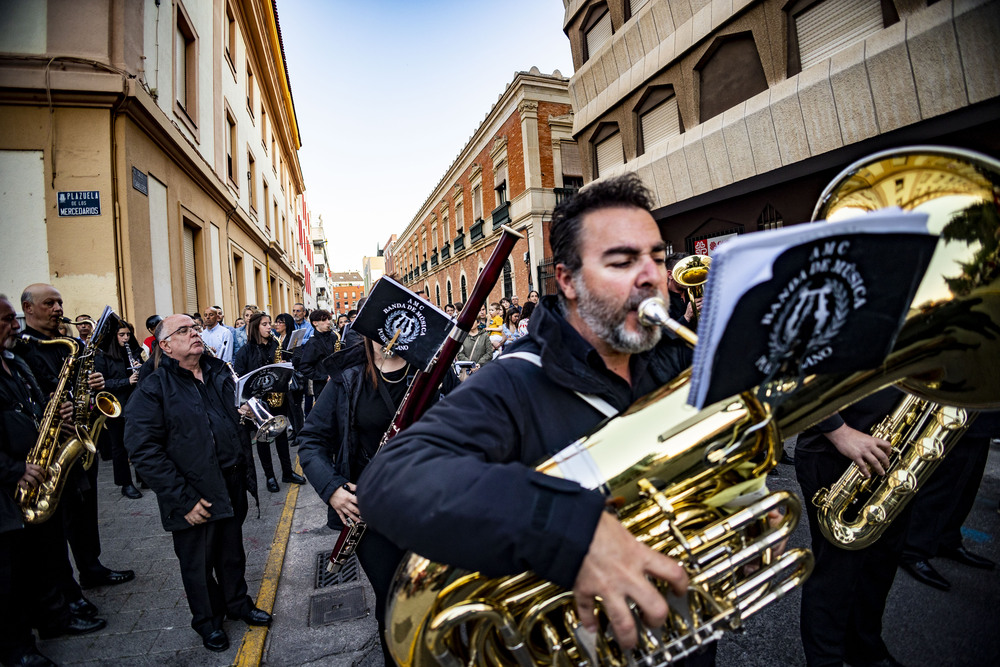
(105, 404)
(856, 510)
(54, 451)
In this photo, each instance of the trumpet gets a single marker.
(691, 273)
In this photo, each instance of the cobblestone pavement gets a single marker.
(149, 621)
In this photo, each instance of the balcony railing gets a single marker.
(562, 193)
(459, 242)
(434, 259)
(445, 251)
(476, 231)
(423, 266)
(501, 215)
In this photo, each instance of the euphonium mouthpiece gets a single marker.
(653, 313)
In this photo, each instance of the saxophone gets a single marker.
(921, 434)
(54, 451)
(668, 470)
(105, 404)
(276, 399)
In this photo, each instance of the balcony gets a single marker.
(416, 270)
(476, 231)
(434, 259)
(423, 266)
(563, 193)
(459, 242)
(445, 251)
(501, 215)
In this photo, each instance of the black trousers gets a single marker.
(945, 500)
(80, 504)
(280, 446)
(844, 599)
(115, 433)
(294, 404)
(213, 562)
(379, 558)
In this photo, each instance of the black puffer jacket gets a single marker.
(169, 438)
(459, 485)
(21, 404)
(328, 436)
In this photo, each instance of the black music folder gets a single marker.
(273, 377)
(814, 298)
(394, 312)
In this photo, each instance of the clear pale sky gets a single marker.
(387, 92)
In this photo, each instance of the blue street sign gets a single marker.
(86, 202)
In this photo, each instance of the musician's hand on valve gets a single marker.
(33, 475)
(244, 410)
(66, 412)
(345, 503)
(200, 513)
(96, 381)
(869, 453)
(615, 569)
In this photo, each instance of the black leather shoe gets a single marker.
(216, 640)
(966, 557)
(76, 625)
(109, 578)
(786, 459)
(254, 616)
(129, 491)
(83, 607)
(32, 659)
(925, 573)
(293, 478)
(272, 485)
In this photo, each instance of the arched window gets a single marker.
(508, 281)
(465, 294)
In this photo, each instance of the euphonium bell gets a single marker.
(691, 273)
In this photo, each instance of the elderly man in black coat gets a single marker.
(182, 432)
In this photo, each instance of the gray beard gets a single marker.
(607, 320)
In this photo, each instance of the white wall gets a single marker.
(163, 298)
(24, 26)
(25, 256)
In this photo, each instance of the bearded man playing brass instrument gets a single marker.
(30, 554)
(183, 434)
(458, 486)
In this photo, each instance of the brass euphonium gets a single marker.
(671, 470)
(276, 399)
(691, 273)
(856, 510)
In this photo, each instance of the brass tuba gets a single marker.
(691, 273)
(959, 189)
(672, 472)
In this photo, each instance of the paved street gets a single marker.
(148, 619)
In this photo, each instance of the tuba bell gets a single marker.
(674, 472)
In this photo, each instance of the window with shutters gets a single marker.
(231, 38)
(597, 30)
(608, 151)
(633, 7)
(232, 161)
(658, 116)
(267, 211)
(730, 72)
(820, 29)
(508, 279)
(252, 181)
(250, 90)
(500, 183)
(477, 202)
(185, 67)
(190, 270)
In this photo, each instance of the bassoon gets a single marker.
(420, 394)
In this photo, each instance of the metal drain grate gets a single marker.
(349, 572)
(340, 605)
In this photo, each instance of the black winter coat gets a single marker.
(169, 439)
(116, 374)
(319, 347)
(19, 410)
(254, 355)
(328, 437)
(459, 485)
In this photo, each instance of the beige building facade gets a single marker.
(736, 113)
(509, 173)
(149, 156)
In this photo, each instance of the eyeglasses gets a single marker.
(182, 331)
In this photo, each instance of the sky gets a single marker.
(387, 93)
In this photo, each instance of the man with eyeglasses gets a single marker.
(182, 433)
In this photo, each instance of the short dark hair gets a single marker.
(319, 315)
(351, 313)
(623, 191)
(672, 260)
(152, 321)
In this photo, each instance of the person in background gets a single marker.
(514, 304)
(183, 434)
(449, 309)
(341, 436)
(533, 297)
(119, 360)
(323, 343)
(351, 337)
(216, 335)
(239, 324)
(681, 308)
(63, 329)
(505, 303)
(510, 327)
(522, 325)
(300, 315)
(240, 334)
(260, 351)
(198, 321)
(84, 328)
(150, 343)
(342, 322)
(284, 325)
(477, 347)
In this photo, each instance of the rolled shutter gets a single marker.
(599, 34)
(660, 123)
(829, 26)
(609, 153)
(190, 276)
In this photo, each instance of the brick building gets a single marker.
(737, 113)
(509, 173)
(344, 290)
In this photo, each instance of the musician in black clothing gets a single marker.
(320, 345)
(30, 554)
(341, 435)
(118, 361)
(260, 351)
(42, 305)
(182, 432)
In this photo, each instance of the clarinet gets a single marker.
(425, 384)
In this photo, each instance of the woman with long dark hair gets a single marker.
(342, 434)
(118, 361)
(284, 325)
(259, 351)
